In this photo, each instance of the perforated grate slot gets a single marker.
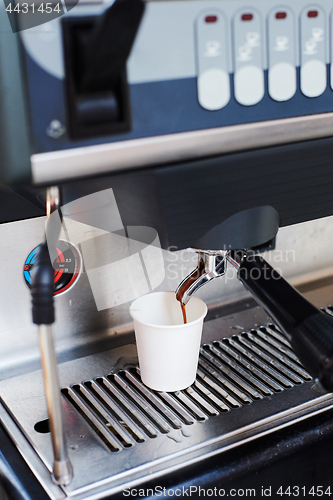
(232, 372)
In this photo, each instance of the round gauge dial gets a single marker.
(67, 267)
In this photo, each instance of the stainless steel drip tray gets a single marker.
(119, 432)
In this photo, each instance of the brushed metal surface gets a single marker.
(119, 431)
(136, 153)
(301, 256)
(217, 413)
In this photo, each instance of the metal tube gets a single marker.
(62, 467)
(233, 261)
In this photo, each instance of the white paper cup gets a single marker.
(168, 349)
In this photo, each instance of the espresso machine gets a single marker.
(180, 145)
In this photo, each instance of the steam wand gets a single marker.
(43, 315)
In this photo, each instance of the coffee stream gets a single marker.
(186, 284)
(179, 297)
(183, 312)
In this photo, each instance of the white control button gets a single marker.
(313, 53)
(249, 85)
(249, 74)
(281, 54)
(282, 81)
(214, 89)
(313, 78)
(212, 61)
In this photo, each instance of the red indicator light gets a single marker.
(280, 15)
(312, 13)
(247, 17)
(210, 19)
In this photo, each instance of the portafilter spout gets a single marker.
(245, 229)
(210, 265)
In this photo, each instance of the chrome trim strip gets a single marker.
(117, 156)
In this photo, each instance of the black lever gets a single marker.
(96, 49)
(309, 331)
(109, 44)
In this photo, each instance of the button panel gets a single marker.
(281, 54)
(187, 69)
(313, 57)
(213, 74)
(248, 58)
(276, 41)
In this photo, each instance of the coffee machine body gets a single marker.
(203, 110)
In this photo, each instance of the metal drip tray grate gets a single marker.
(234, 372)
(119, 431)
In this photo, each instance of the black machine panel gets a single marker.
(211, 108)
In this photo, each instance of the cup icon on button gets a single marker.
(253, 38)
(244, 53)
(318, 34)
(213, 48)
(310, 47)
(281, 43)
